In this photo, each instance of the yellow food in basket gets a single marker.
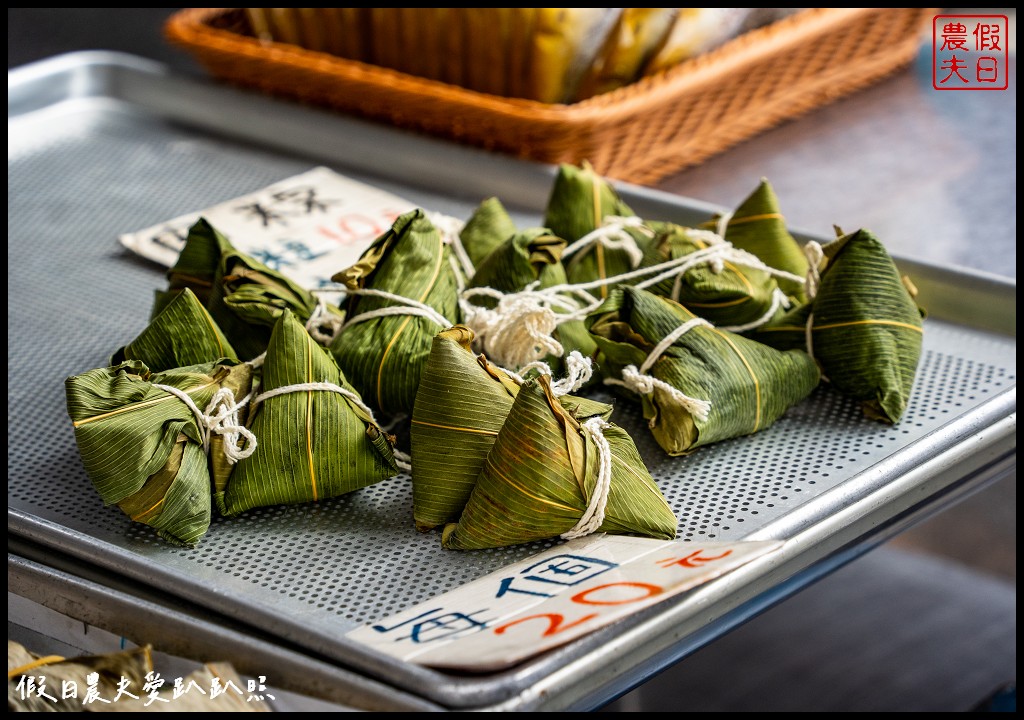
(639, 34)
(554, 55)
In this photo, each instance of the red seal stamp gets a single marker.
(970, 52)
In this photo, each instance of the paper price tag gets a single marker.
(550, 599)
(309, 226)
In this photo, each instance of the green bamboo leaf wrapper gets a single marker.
(195, 269)
(142, 447)
(312, 444)
(749, 385)
(488, 227)
(580, 200)
(529, 256)
(539, 476)
(384, 357)
(759, 227)
(524, 257)
(181, 334)
(244, 296)
(867, 329)
(461, 405)
(735, 296)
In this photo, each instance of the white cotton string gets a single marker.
(667, 341)
(220, 418)
(612, 234)
(517, 331)
(637, 379)
(222, 415)
(579, 370)
(779, 300)
(405, 306)
(315, 387)
(450, 229)
(320, 319)
(723, 222)
(644, 384)
(814, 254)
(593, 516)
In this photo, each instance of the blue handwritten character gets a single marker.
(549, 577)
(437, 624)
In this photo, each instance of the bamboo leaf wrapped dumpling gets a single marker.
(462, 403)
(541, 480)
(722, 289)
(865, 327)
(243, 295)
(316, 439)
(143, 446)
(704, 384)
(759, 227)
(181, 334)
(409, 267)
(583, 204)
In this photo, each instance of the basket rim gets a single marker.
(190, 27)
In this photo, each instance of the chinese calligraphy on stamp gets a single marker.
(970, 52)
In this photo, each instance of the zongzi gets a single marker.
(462, 403)
(316, 439)
(460, 406)
(758, 227)
(720, 284)
(862, 326)
(488, 227)
(145, 447)
(697, 384)
(243, 295)
(403, 291)
(605, 238)
(552, 472)
(528, 259)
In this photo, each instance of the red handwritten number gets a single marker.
(582, 599)
(555, 621)
(352, 227)
(693, 560)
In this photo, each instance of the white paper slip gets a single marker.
(309, 226)
(547, 600)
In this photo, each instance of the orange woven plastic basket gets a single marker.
(639, 133)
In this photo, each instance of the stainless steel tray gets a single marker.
(101, 143)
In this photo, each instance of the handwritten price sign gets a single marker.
(309, 226)
(550, 599)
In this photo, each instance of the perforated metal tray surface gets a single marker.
(100, 144)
